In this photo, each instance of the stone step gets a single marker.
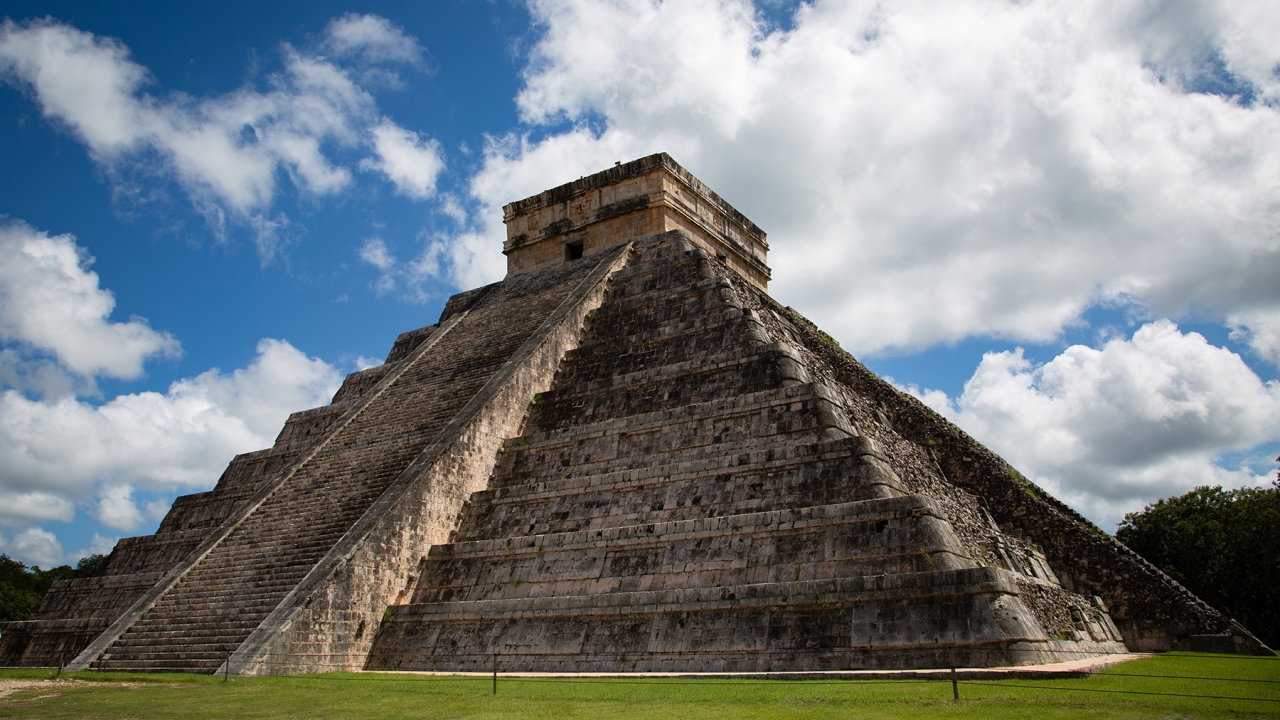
(835, 623)
(643, 275)
(662, 492)
(183, 634)
(664, 345)
(207, 652)
(661, 305)
(843, 591)
(229, 603)
(777, 419)
(266, 559)
(787, 452)
(744, 369)
(736, 406)
(168, 664)
(253, 576)
(653, 317)
(892, 535)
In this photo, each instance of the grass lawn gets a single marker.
(1175, 683)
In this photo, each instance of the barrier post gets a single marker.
(955, 685)
(495, 673)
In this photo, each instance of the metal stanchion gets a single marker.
(955, 685)
(226, 675)
(495, 673)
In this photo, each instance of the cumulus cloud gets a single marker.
(1111, 429)
(409, 162)
(35, 547)
(58, 451)
(227, 150)
(51, 302)
(931, 172)
(116, 508)
(98, 545)
(56, 454)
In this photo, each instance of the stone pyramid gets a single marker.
(623, 457)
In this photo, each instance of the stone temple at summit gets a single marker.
(623, 457)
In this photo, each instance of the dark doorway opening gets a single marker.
(573, 251)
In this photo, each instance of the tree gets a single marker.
(21, 587)
(1223, 545)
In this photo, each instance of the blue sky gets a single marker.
(1091, 183)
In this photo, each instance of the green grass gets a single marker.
(1113, 693)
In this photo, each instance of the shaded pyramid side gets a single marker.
(1039, 536)
(689, 496)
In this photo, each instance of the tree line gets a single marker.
(1222, 545)
(21, 587)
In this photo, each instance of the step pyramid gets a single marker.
(686, 497)
(624, 457)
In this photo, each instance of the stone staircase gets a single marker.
(227, 595)
(687, 498)
(74, 612)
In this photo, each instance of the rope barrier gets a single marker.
(942, 677)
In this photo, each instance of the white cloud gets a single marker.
(410, 163)
(50, 301)
(1111, 429)
(33, 504)
(930, 172)
(225, 150)
(408, 278)
(35, 546)
(116, 508)
(1260, 329)
(98, 545)
(373, 38)
(374, 252)
(60, 451)
(54, 452)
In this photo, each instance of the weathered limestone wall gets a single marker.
(642, 198)
(330, 620)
